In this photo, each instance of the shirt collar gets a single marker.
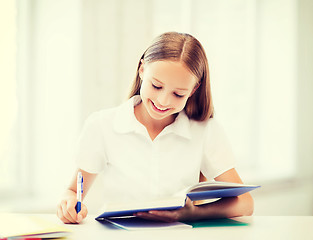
(180, 127)
(125, 120)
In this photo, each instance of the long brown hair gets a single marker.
(183, 47)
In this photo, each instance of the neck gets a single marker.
(151, 124)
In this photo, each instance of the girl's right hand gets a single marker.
(66, 209)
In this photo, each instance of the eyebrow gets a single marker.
(182, 89)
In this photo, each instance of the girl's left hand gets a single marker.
(185, 213)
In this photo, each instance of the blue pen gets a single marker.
(79, 191)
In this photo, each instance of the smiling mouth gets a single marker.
(162, 110)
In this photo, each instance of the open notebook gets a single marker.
(200, 191)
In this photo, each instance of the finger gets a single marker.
(79, 217)
(71, 204)
(188, 203)
(153, 217)
(82, 214)
(60, 215)
(148, 216)
(65, 213)
(171, 216)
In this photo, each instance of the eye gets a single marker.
(156, 87)
(177, 95)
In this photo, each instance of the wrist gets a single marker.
(69, 194)
(201, 212)
(190, 213)
(196, 213)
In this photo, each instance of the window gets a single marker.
(43, 80)
(251, 48)
(80, 56)
(8, 102)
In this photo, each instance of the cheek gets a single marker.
(180, 103)
(145, 91)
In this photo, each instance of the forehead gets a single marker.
(171, 72)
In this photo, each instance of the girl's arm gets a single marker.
(66, 208)
(223, 208)
(227, 207)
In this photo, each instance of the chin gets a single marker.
(157, 117)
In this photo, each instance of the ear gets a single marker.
(141, 68)
(195, 89)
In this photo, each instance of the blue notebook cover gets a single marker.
(135, 223)
(219, 193)
(122, 213)
(194, 195)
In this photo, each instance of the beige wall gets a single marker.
(77, 49)
(295, 197)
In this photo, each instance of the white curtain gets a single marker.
(76, 57)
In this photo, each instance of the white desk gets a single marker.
(261, 227)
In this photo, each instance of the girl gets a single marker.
(162, 140)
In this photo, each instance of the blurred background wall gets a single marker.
(62, 60)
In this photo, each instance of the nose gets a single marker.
(163, 99)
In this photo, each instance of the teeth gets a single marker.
(162, 109)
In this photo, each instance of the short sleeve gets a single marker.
(218, 156)
(89, 154)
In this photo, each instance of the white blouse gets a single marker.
(114, 143)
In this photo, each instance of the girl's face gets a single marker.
(165, 88)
